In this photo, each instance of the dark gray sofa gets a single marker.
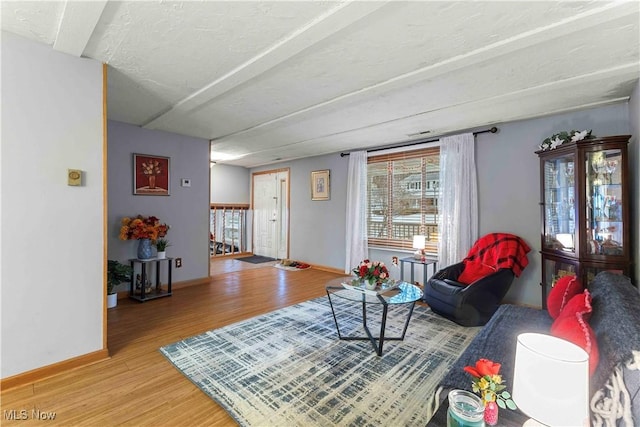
(616, 322)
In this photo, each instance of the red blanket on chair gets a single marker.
(501, 250)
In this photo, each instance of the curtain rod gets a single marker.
(490, 130)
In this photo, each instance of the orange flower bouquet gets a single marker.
(142, 227)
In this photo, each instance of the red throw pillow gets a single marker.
(572, 326)
(474, 270)
(566, 288)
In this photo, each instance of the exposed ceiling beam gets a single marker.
(79, 19)
(577, 23)
(327, 24)
(623, 72)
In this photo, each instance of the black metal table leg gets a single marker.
(406, 323)
(144, 280)
(157, 276)
(133, 278)
(335, 319)
(376, 342)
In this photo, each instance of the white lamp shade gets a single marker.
(419, 242)
(551, 380)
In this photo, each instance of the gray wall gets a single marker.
(508, 187)
(317, 228)
(53, 294)
(634, 156)
(230, 184)
(186, 209)
(509, 181)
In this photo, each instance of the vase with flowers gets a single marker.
(151, 169)
(371, 273)
(487, 382)
(145, 229)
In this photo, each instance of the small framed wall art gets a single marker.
(150, 175)
(320, 185)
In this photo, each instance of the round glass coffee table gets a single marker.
(404, 293)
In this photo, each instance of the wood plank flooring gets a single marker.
(137, 386)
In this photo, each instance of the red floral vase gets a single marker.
(491, 413)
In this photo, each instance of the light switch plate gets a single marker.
(185, 182)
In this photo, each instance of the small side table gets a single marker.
(413, 261)
(143, 296)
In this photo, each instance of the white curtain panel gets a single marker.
(458, 202)
(356, 240)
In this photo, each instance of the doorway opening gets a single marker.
(227, 229)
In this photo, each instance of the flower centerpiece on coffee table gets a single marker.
(371, 273)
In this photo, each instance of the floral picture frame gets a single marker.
(320, 184)
(150, 175)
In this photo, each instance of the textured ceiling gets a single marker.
(278, 80)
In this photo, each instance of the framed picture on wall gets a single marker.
(150, 175)
(320, 185)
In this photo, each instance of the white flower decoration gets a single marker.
(579, 136)
(556, 142)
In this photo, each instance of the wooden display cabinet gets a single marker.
(584, 205)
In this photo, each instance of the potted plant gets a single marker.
(161, 246)
(116, 273)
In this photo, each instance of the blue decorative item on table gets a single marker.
(144, 249)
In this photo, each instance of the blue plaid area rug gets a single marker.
(288, 367)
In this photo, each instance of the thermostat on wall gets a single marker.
(185, 182)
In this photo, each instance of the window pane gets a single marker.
(403, 199)
(378, 200)
(407, 198)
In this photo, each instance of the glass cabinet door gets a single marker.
(559, 204)
(604, 209)
(552, 270)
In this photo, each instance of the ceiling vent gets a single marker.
(422, 133)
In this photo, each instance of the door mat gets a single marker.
(256, 259)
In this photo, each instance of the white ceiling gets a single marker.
(278, 80)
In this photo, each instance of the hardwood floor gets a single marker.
(137, 386)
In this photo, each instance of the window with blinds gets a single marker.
(402, 195)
